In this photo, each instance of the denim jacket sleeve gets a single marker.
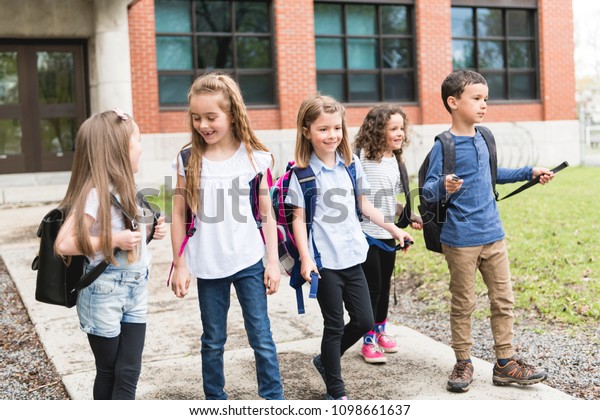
(433, 189)
(507, 176)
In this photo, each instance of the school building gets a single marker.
(62, 60)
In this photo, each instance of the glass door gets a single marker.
(11, 149)
(42, 104)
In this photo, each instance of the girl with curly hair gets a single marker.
(379, 145)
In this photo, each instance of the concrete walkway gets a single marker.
(171, 364)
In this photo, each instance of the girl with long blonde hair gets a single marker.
(214, 172)
(113, 309)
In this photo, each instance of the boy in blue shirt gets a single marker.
(472, 237)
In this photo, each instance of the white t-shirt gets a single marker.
(227, 239)
(384, 178)
(117, 223)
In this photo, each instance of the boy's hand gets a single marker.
(416, 222)
(545, 174)
(452, 183)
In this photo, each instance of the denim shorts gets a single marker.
(117, 295)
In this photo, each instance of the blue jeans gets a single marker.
(214, 299)
(117, 295)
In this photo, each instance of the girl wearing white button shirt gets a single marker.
(322, 143)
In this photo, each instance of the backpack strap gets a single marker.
(308, 184)
(449, 155)
(190, 217)
(405, 218)
(490, 141)
(351, 169)
(255, 193)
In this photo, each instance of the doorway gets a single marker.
(42, 104)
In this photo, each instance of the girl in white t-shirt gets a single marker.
(381, 140)
(113, 309)
(223, 157)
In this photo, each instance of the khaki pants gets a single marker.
(492, 262)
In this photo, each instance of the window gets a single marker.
(501, 45)
(365, 52)
(197, 36)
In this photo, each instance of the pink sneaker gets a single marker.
(386, 343)
(372, 353)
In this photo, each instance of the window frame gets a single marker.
(234, 71)
(380, 71)
(505, 6)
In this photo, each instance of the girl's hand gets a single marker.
(544, 173)
(308, 267)
(272, 277)
(126, 240)
(180, 281)
(160, 230)
(452, 184)
(416, 222)
(401, 236)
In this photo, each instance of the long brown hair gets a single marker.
(101, 161)
(371, 134)
(233, 105)
(311, 109)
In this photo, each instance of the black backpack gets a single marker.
(434, 214)
(60, 278)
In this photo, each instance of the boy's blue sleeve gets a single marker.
(434, 189)
(507, 176)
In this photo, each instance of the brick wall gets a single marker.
(557, 61)
(434, 57)
(296, 68)
(144, 77)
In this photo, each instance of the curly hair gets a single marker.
(371, 134)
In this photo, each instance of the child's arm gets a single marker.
(180, 280)
(506, 175)
(376, 217)
(436, 185)
(300, 235)
(269, 228)
(415, 220)
(66, 241)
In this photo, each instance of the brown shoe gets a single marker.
(461, 377)
(518, 372)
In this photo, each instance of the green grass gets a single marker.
(553, 238)
(163, 202)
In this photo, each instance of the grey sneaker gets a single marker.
(461, 377)
(518, 372)
(319, 367)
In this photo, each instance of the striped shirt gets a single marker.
(384, 178)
